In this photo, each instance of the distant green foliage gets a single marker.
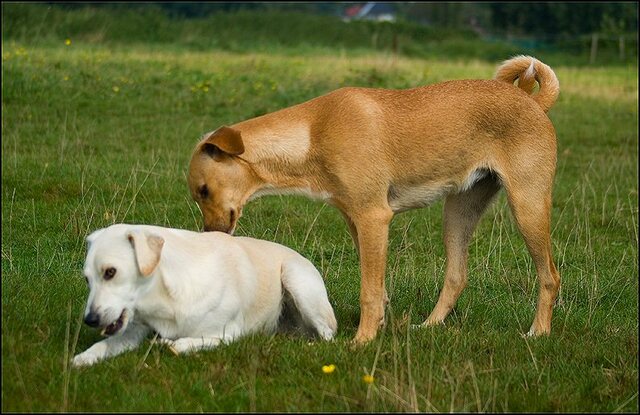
(242, 30)
(285, 31)
(545, 19)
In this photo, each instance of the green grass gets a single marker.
(95, 134)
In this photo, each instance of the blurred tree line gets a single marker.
(539, 19)
(536, 19)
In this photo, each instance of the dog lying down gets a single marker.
(196, 290)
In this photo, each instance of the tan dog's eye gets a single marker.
(109, 273)
(204, 191)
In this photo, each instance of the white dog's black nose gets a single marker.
(92, 319)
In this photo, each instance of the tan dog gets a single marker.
(373, 153)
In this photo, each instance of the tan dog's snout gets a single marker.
(220, 180)
(224, 220)
(218, 227)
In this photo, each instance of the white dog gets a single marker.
(195, 290)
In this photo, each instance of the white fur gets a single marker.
(410, 197)
(405, 197)
(531, 70)
(206, 288)
(475, 176)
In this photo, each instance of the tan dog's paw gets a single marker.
(432, 322)
(537, 332)
(362, 338)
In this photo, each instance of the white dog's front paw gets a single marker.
(189, 344)
(170, 345)
(181, 346)
(85, 359)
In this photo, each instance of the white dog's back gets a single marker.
(302, 284)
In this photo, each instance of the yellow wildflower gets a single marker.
(116, 89)
(67, 42)
(368, 379)
(328, 368)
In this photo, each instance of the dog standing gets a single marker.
(195, 289)
(373, 153)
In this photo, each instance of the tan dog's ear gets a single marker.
(147, 249)
(223, 139)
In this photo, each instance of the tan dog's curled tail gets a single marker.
(527, 70)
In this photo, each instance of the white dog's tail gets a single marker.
(304, 284)
(527, 70)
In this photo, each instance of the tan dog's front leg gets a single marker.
(353, 231)
(373, 232)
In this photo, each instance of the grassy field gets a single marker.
(96, 133)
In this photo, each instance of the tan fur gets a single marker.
(376, 152)
(528, 71)
(226, 139)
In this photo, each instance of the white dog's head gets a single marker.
(119, 265)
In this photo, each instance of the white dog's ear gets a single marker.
(147, 249)
(93, 236)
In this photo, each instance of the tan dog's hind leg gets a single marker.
(373, 232)
(462, 211)
(532, 212)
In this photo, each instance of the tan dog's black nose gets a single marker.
(92, 319)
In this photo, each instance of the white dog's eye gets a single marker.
(109, 273)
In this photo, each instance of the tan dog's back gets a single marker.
(434, 136)
(438, 120)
